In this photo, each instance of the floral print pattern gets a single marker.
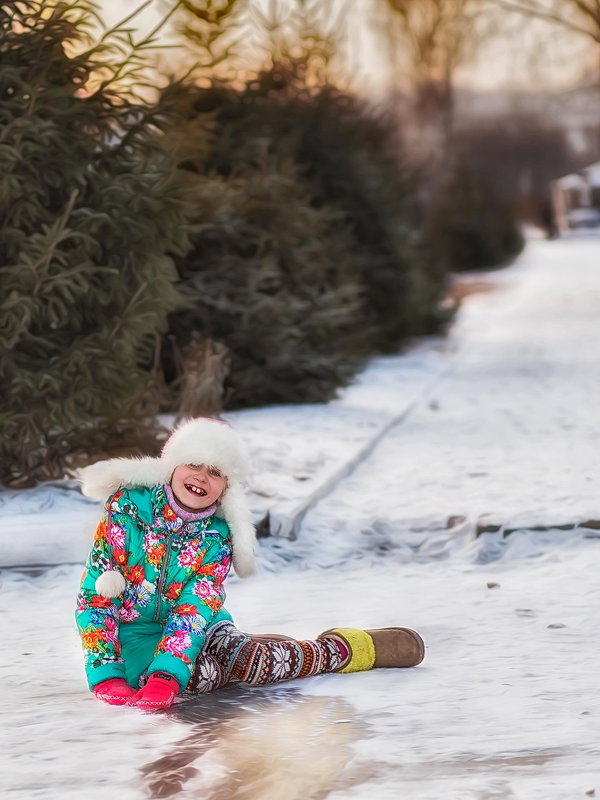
(154, 547)
(140, 593)
(191, 556)
(174, 571)
(176, 644)
(100, 639)
(209, 593)
(173, 590)
(128, 612)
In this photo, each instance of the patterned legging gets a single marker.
(230, 655)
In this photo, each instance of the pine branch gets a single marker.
(58, 230)
(123, 316)
(118, 28)
(133, 47)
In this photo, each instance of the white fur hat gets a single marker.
(197, 441)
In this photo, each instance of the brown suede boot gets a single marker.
(397, 647)
(380, 647)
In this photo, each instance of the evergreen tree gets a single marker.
(306, 247)
(351, 162)
(471, 227)
(272, 278)
(90, 217)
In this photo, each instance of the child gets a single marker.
(150, 611)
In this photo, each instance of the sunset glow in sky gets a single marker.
(529, 55)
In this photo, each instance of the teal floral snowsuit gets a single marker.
(174, 572)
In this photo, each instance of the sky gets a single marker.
(531, 55)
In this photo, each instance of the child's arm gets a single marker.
(96, 616)
(184, 632)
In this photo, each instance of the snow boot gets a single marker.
(382, 647)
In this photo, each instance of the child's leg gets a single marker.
(209, 674)
(230, 654)
(260, 663)
(138, 641)
(260, 660)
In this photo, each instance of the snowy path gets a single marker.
(511, 432)
(506, 704)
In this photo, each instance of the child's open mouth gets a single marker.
(195, 490)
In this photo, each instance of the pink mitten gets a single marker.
(159, 692)
(114, 691)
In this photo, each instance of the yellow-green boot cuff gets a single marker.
(362, 649)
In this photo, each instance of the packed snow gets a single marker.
(495, 426)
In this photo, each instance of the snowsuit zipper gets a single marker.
(171, 537)
(161, 580)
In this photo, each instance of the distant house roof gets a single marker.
(586, 177)
(592, 174)
(572, 181)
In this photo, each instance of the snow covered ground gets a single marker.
(498, 426)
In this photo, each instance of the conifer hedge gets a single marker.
(271, 273)
(352, 163)
(271, 278)
(306, 252)
(89, 218)
(470, 226)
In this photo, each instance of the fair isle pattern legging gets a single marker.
(230, 655)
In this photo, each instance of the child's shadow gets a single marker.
(269, 743)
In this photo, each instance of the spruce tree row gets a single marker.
(235, 245)
(91, 215)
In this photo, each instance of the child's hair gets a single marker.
(197, 441)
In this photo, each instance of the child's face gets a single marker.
(197, 486)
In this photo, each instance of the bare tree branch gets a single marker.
(434, 37)
(589, 10)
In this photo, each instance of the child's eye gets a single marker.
(214, 472)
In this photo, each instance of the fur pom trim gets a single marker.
(234, 510)
(110, 584)
(102, 479)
